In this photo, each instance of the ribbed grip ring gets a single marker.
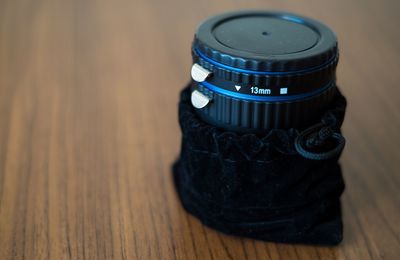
(254, 116)
(310, 78)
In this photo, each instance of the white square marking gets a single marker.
(283, 91)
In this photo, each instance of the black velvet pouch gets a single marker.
(264, 187)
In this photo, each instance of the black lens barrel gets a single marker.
(254, 71)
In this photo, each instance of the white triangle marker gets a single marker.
(237, 87)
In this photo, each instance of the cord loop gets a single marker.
(312, 143)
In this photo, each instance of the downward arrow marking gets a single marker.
(237, 87)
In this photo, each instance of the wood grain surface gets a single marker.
(88, 130)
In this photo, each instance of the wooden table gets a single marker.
(88, 130)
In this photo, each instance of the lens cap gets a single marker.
(266, 41)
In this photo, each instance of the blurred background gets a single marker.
(88, 129)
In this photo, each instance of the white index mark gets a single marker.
(283, 91)
(237, 87)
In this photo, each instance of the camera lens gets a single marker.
(254, 70)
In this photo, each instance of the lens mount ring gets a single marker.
(246, 115)
(297, 82)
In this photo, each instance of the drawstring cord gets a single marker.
(315, 138)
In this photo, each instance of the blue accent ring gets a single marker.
(254, 72)
(265, 98)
